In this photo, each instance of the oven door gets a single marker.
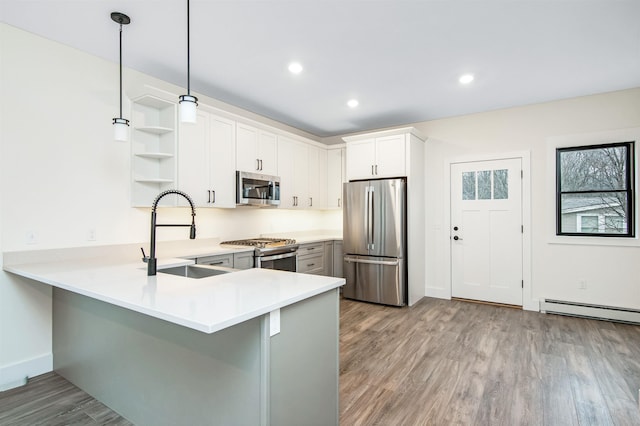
(281, 262)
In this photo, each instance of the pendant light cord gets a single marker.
(120, 69)
(188, 53)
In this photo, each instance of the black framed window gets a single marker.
(594, 190)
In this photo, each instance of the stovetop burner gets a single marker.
(262, 242)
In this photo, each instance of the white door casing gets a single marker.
(487, 230)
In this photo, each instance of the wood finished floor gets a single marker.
(437, 363)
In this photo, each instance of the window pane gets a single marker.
(611, 206)
(468, 185)
(589, 224)
(593, 169)
(484, 185)
(500, 184)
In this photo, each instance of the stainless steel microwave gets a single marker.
(254, 189)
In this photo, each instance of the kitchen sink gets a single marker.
(196, 271)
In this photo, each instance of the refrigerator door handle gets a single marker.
(372, 220)
(371, 262)
(366, 214)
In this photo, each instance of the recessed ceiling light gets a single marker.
(353, 103)
(466, 79)
(295, 67)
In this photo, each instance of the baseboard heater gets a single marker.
(585, 310)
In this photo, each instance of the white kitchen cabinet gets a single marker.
(335, 177)
(293, 171)
(206, 156)
(377, 157)
(153, 150)
(317, 172)
(256, 150)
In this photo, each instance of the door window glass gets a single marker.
(500, 184)
(484, 185)
(468, 185)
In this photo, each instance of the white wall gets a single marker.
(611, 272)
(62, 174)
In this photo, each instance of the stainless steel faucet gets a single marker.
(151, 260)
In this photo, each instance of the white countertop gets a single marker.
(206, 304)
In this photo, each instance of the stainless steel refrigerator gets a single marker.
(375, 233)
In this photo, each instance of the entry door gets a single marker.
(486, 231)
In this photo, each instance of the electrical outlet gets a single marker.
(582, 284)
(91, 234)
(30, 237)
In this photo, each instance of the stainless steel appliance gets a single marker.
(254, 189)
(272, 253)
(374, 233)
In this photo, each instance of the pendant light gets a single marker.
(120, 125)
(188, 103)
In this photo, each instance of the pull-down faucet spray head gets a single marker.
(152, 261)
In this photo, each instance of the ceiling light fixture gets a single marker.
(295, 68)
(466, 79)
(187, 102)
(120, 125)
(352, 103)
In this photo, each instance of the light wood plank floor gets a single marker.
(437, 363)
(451, 362)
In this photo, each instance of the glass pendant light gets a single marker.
(120, 125)
(188, 103)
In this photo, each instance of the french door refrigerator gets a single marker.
(374, 234)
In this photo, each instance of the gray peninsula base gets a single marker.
(154, 372)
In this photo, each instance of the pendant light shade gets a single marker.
(188, 103)
(120, 125)
(188, 106)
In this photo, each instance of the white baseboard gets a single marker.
(438, 293)
(14, 375)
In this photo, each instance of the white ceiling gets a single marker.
(401, 59)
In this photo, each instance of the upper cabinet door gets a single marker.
(361, 159)
(390, 156)
(268, 152)
(193, 160)
(335, 177)
(222, 171)
(256, 150)
(247, 148)
(317, 171)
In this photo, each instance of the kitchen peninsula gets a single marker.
(252, 347)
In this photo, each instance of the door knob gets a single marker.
(455, 228)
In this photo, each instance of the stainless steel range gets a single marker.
(271, 253)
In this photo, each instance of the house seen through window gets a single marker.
(595, 195)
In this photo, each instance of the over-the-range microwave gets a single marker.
(255, 189)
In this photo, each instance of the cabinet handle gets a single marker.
(214, 196)
(310, 201)
(217, 263)
(376, 169)
(339, 203)
(310, 248)
(372, 170)
(257, 164)
(261, 165)
(208, 196)
(310, 265)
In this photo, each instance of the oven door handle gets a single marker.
(278, 256)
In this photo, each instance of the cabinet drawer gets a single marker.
(311, 263)
(313, 248)
(219, 260)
